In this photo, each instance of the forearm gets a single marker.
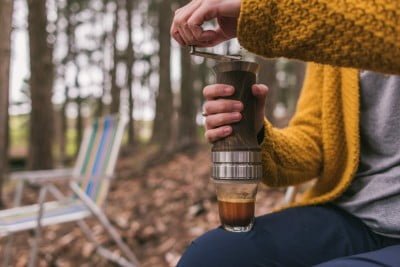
(347, 33)
(294, 155)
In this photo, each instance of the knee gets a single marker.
(219, 248)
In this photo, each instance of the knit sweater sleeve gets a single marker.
(345, 33)
(294, 155)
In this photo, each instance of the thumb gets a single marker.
(260, 92)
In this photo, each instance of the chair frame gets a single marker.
(290, 194)
(45, 180)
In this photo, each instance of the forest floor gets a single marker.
(158, 212)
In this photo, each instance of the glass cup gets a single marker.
(236, 202)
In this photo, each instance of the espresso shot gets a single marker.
(236, 204)
(236, 213)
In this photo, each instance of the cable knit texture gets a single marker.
(322, 140)
(348, 33)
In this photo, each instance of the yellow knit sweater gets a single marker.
(322, 140)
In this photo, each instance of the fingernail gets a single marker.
(238, 106)
(227, 130)
(228, 90)
(237, 115)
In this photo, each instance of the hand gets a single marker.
(187, 24)
(222, 112)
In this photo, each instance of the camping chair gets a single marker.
(89, 181)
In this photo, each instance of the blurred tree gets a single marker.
(299, 69)
(41, 83)
(290, 76)
(267, 76)
(130, 58)
(115, 89)
(187, 131)
(6, 11)
(187, 113)
(100, 103)
(79, 116)
(103, 49)
(82, 52)
(162, 125)
(203, 72)
(65, 12)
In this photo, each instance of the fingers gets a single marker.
(186, 26)
(202, 13)
(221, 119)
(217, 90)
(194, 35)
(179, 28)
(222, 106)
(218, 133)
(176, 35)
(260, 92)
(223, 112)
(186, 34)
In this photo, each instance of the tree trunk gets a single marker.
(187, 112)
(6, 10)
(41, 83)
(130, 60)
(63, 127)
(115, 90)
(63, 116)
(105, 70)
(100, 104)
(79, 118)
(203, 75)
(162, 129)
(79, 124)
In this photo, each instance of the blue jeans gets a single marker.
(304, 236)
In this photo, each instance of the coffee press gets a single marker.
(236, 159)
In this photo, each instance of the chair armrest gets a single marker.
(74, 178)
(42, 176)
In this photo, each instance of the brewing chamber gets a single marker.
(236, 159)
(238, 156)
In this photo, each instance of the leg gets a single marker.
(38, 231)
(10, 239)
(112, 232)
(302, 236)
(8, 250)
(106, 253)
(387, 257)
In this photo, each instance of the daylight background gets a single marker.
(65, 62)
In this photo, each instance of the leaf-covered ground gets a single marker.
(157, 212)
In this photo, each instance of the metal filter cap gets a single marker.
(236, 165)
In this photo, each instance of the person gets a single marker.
(345, 131)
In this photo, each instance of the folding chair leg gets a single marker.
(38, 232)
(10, 239)
(8, 250)
(105, 222)
(99, 249)
(118, 240)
